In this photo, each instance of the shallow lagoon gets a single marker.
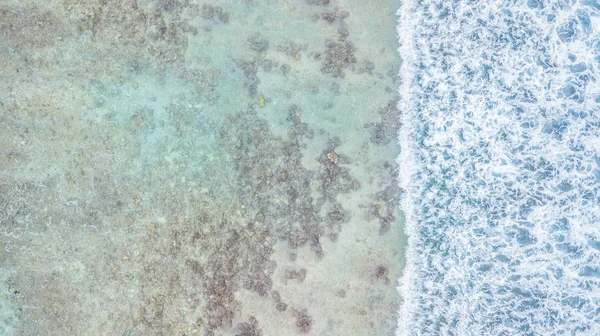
(212, 168)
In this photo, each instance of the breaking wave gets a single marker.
(500, 167)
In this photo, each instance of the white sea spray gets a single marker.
(500, 167)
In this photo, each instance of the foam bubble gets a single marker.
(500, 167)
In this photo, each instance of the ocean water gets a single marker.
(184, 167)
(187, 167)
(500, 167)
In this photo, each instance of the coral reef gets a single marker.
(317, 2)
(250, 72)
(210, 12)
(338, 56)
(249, 328)
(258, 44)
(386, 130)
(303, 321)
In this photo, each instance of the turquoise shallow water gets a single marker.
(176, 167)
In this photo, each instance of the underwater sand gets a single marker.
(176, 167)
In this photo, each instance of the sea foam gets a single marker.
(500, 167)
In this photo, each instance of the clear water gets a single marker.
(500, 166)
(183, 167)
(178, 167)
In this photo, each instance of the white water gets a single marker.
(500, 167)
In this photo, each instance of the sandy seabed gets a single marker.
(176, 167)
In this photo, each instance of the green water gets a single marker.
(176, 167)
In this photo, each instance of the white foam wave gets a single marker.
(500, 167)
(406, 50)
